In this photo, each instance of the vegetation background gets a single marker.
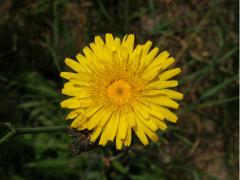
(37, 35)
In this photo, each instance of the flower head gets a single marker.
(118, 88)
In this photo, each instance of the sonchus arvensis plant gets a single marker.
(118, 89)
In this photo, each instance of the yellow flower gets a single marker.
(118, 88)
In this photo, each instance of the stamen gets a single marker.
(119, 92)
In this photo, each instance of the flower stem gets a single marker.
(31, 130)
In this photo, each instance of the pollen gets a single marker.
(120, 93)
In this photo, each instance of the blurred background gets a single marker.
(37, 35)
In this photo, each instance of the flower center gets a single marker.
(119, 92)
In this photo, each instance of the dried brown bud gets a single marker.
(80, 141)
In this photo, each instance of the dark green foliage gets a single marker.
(35, 38)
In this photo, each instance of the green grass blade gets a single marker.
(218, 102)
(205, 70)
(104, 11)
(183, 139)
(152, 8)
(217, 88)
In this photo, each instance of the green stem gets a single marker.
(7, 136)
(31, 130)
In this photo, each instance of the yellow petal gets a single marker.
(131, 119)
(68, 85)
(164, 92)
(83, 61)
(142, 110)
(153, 92)
(81, 127)
(152, 135)
(167, 114)
(146, 48)
(123, 126)
(162, 56)
(71, 103)
(150, 73)
(115, 125)
(73, 114)
(96, 132)
(149, 123)
(97, 49)
(105, 117)
(69, 75)
(88, 53)
(134, 58)
(107, 54)
(129, 43)
(106, 133)
(86, 102)
(156, 112)
(74, 92)
(162, 84)
(97, 64)
(78, 121)
(160, 123)
(171, 94)
(164, 101)
(167, 63)
(169, 74)
(128, 139)
(150, 56)
(134, 61)
(139, 129)
(80, 82)
(123, 56)
(91, 110)
(74, 65)
(98, 40)
(119, 142)
(117, 44)
(109, 40)
(159, 61)
(158, 64)
(73, 89)
(96, 118)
